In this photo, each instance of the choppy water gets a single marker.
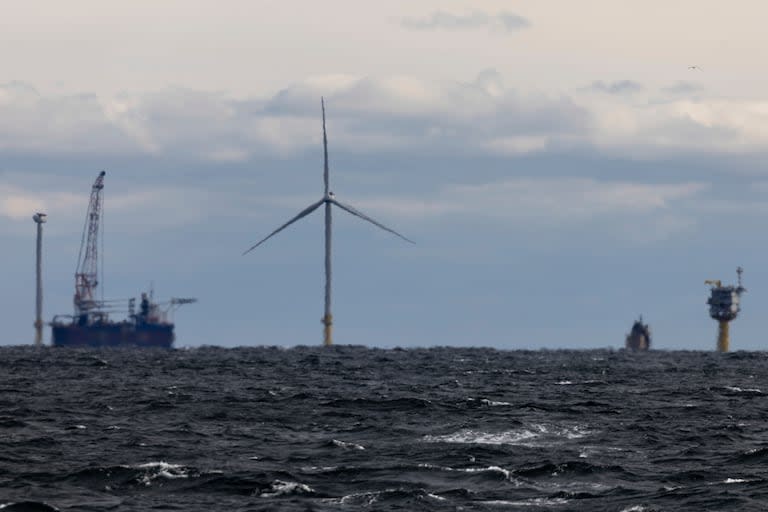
(350, 428)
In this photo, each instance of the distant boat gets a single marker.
(639, 338)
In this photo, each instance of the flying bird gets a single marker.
(694, 67)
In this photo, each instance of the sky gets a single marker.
(563, 167)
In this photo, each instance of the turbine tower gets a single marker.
(39, 219)
(724, 306)
(328, 199)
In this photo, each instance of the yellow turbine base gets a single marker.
(328, 330)
(723, 339)
(38, 333)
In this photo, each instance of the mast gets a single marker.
(87, 273)
(39, 219)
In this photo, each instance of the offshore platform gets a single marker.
(724, 306)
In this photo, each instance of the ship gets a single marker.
(90, 325)
(639, 337)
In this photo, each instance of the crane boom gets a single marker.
(87, 273)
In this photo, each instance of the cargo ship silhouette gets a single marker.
(90, 326)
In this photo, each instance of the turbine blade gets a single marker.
(325, 148)
(306, 211)
(363, 216)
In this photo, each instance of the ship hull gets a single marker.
(637, 342)
(113, 335)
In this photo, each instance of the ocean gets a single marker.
(355, 428)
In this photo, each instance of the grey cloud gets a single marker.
(512, 21)
(673, 136)
(618, 87)
(477, 117)
(491, 82)
(682, 88)
(297, 99)
(505, 21)
(551, 200)
(19, 90)
(364, 114)
(451, 117)
(30, 121)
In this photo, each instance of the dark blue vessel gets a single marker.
(90, 325)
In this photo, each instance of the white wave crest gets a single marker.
(489, 469)
(737, 389)
(489, 403)
(366, 499)
(475, 437)
(362, 499)
(534, 502)
(348, 446)
(531, 436)
(492, 403)
(281, 488)
(161, 469)
(318, 469)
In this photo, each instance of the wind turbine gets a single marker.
(328, 199)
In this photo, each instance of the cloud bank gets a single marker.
(483, 116)
(503, 21)
(477, 120)
(619, 87)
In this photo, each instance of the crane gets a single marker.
(87, 273)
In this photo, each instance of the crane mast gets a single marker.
(87, 273)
